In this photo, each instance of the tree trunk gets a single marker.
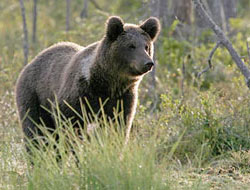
(230, 10)
(25, 32)
(220, 11)
(230, 7)
(154, 8)
(84, 12)
(183, 10)
(217, 13)
(157, 9)
(34, 21)
(164, 13)
(68, 15)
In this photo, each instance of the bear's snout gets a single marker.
(149, 65)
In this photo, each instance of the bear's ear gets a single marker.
(114, 27)
(152, 27)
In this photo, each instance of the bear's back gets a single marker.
(52, 60)
(44, 72)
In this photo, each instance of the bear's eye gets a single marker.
(131, 46)
(147, 48)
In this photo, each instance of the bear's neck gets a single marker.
(107, 82)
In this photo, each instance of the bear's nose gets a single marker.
(149, 65)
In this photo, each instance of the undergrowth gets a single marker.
(188, 133)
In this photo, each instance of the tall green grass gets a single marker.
(196, 138)
(101, 160)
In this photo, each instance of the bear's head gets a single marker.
(131, 46)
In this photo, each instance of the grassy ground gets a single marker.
(197, 137)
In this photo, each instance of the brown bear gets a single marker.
(109, 70)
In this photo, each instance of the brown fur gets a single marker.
(110, 69)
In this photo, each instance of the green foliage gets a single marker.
(207, 126)
(198, 129)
